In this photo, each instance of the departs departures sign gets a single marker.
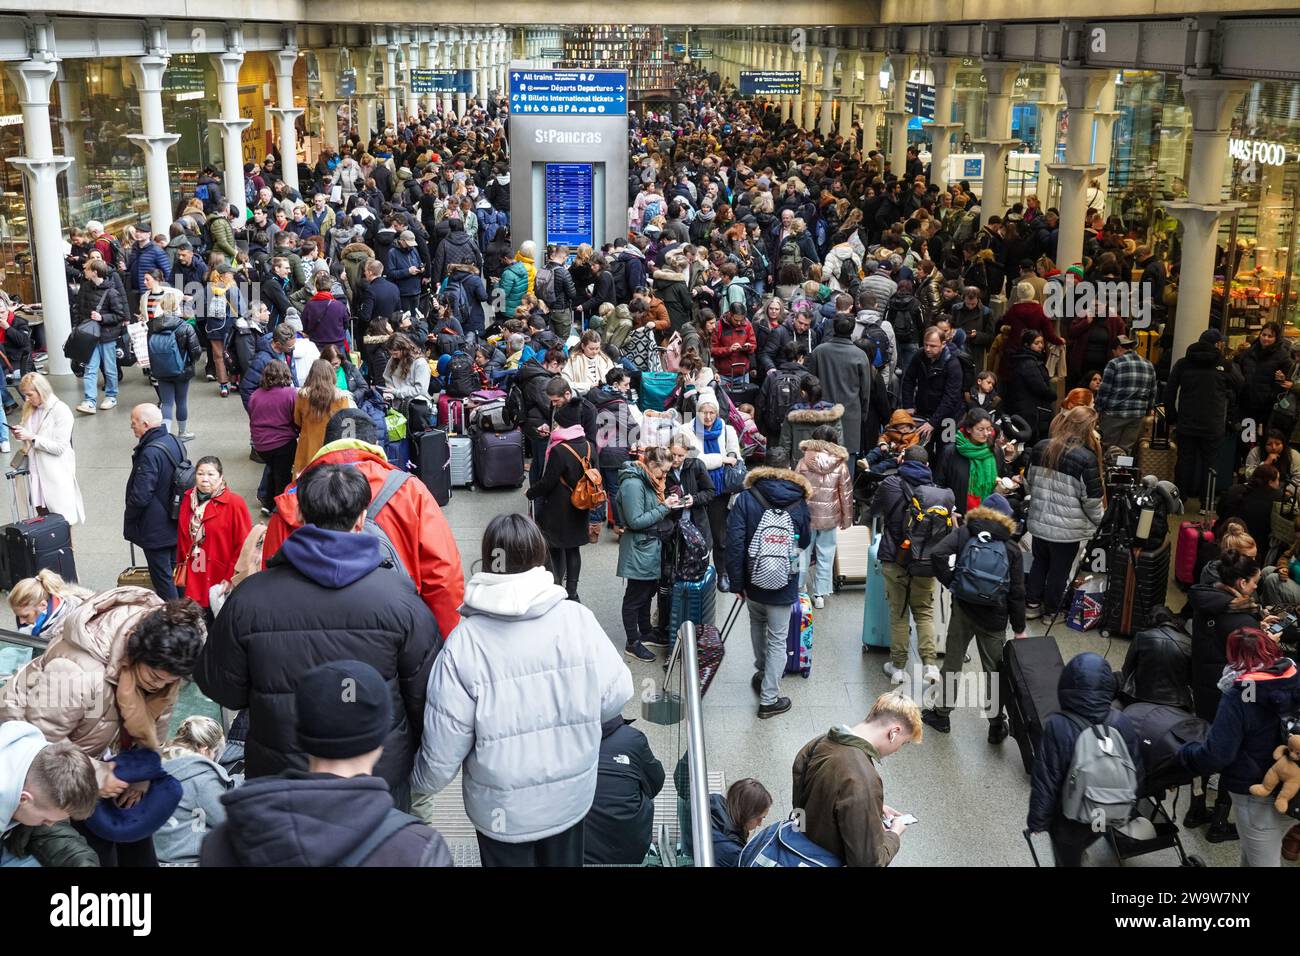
(770, 82)
(601, 92)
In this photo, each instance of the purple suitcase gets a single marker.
(499, 459)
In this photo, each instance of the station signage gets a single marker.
(771, 82)
(441, 81)
(348, 83)
(1258, 151)
(600, 92)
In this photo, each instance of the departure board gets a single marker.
(570, 210)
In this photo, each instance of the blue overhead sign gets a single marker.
(602, 92)
(919, 100)
(770, 82)
(441, 81)
(348, 83)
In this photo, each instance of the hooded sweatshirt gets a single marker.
(518, 697)
(20, 742)
(203, 784)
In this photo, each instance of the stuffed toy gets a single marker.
(1286, 771)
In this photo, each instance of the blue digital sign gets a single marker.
(348, 83)
(972, 168)
(770, 82)
(441, 81)
(570, 204)
(600, 92)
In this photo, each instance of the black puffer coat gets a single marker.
(563, 525)
(1213, 619)
(1028, 392)
(628, 778)
(1260, 365)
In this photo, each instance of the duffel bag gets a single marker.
(784, 844)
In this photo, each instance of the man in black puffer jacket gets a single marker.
(932, 385)
(458, 247)
(1086, 689)
(1202, 387)
(628, 778)
(331, 593)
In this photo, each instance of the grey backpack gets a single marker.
(1101, 786)
(392, 482)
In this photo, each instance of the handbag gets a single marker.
(733, 478)
(1284, 409)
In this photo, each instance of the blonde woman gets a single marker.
(191, 757)
(46, 433)
(41, 603)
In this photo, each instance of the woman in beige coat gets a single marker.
(825, 465)
(108, 682)
(46, 434)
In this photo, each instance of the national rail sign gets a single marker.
(440, 81)
(770, 82)
(598, 92)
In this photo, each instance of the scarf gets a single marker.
(656, 483)
(322, 297)
(983, 470)
(140, 707)
(341, 379)
(709, 438)
(199, 504)
(901, 432)
(563, 434)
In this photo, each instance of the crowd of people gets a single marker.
(791, 339)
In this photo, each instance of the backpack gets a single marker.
(544, 286)
(771, 549)
(182, 480)
(753, 300)
(165, 358)
(1102, 784)
(462, 380)
(783, 844)
(927, 519)
(967, 370)
(393, 481)
(692, 558)
(790, 252)
(784, 392)
(488, 416)
(115, 254)
(906, 320)
(983, 572)
(202, 193)
(454, 297)
(654, 207)
(878, 347)
(618, 269)
(513, 410)
(589, 491)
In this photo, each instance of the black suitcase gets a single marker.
(499, 459)
(1162, 732)
(431, 461)
(1031, 668)
(746, 394)
(37, 543)
(1135, 587)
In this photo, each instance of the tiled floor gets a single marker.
(970, 798)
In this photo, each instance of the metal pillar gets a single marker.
(390, 85)
(327, 66)
(898, 115)
(1104, 123)
(367, 96)
(997, 144)
(826, 122)
(72, 126)
(462, 54)
(1082, 87)
(1049, 113)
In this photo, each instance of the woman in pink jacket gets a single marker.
(825, 465)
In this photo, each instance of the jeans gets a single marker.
(162, 565)
(960, 631)
(821, 552)
(561, 849)
(8, 859)
(1050, 575)
(769, 625)
(538, 462)
(566, 565)
(1197, 455)
(636, 608)
(105, 354)
(175, 392)
(1261, 829)
(905, 355)
(734, 381)
(717, 510)
(904, 592)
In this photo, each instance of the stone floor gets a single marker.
(970, 797)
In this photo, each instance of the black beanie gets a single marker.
(343, 710)
(569, 414)
(351, 423)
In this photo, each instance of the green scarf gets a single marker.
(983, 466)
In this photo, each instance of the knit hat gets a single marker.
(1212, 336)
(1075, 270)
(999, 504)
(343, 710)
(404, 173)
(351, 423)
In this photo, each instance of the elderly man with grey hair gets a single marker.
(147, 521)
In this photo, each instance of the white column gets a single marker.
(429, 60)
(232, 125)
(872, 104)
(1049, 114)
(72, 126)
(1212, 103)
(997, 142)
(287, 115)
(33, 80)
(367, 97)
(942, 126)
(1081, 87)
(898, 114)
(848, 90)
(827, 121)
(462, 63)
(154, 140)
(503, 63)
(327, 66)
(785, 57)
(444, 63)
(390, 85)
(1104, 124)
(412, 51)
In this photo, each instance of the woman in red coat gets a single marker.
(213, 524)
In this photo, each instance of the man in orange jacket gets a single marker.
(411, 519)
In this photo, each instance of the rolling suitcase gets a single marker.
(875, 611)
(451, 414)
(851, 549)
(1136, 583)
(1157, 455)
(694, 601)
(135, 575)
(799, 639)
(32, 543)
(1031, 668)
(433, 464)
(461, 452)
(498, 459)
(1193, 538)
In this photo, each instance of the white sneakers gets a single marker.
(897, 675)
(931, 674)
(87, 408)
(5, 448)
(108, 403)
(819, 602)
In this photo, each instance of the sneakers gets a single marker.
(187, 435)
(931, 674)
(940, 722)
(210, 377)
(999, 730)
(5, 448)
(656, 639)
(772, 710)
(107, 403)
(1033, 612)
(87, 408)
(819, 602)
(896, 674)
(639, 651)
(225, 390)
(1221, 832)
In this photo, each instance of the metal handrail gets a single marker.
(701, 833)
(23, 640)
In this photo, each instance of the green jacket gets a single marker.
(514, 284)
(223, 237)
(57, 845)
(639, 548)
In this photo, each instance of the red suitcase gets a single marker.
(1192, 536)
(451, 414)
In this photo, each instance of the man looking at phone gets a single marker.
(839, 792)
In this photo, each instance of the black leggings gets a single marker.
(139, 853)
(718, 528)
(636, 608)
(279, 461)
(566, 565)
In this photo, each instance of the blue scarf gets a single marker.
(711, 447)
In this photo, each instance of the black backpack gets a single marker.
(905, 319)
(784, 392)
(182, 478)
(876, 342)
(618, 269)
(514, 408)
(967, 370)
(462, 380)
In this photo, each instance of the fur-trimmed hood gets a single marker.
(821, 457)
(815, 416)
(779, 474)
(664, 275)
(992, 517)
(826, 447)
(357, 250)
(463, 267)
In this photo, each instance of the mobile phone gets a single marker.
(906, 819)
